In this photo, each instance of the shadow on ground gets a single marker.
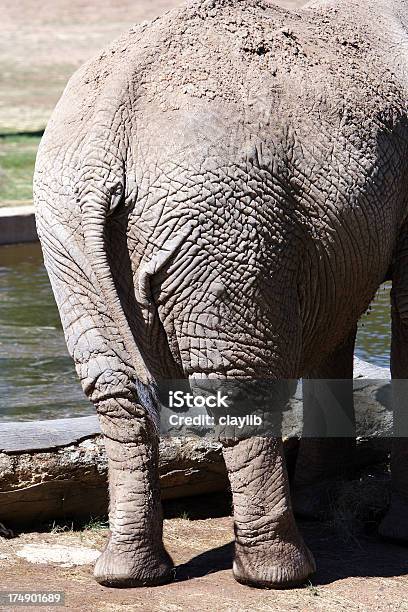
(346, 545)
(368, 557)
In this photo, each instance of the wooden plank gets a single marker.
(26, 436)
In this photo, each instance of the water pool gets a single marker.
(37, 376)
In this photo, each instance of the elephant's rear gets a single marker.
(261, 124)
(313, 122)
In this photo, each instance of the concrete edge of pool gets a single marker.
(57, 469)
(17, 225)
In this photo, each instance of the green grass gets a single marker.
(68, 526)
(17, 159)
(95, 524)
(313, 590)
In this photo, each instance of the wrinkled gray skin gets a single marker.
(219, 194)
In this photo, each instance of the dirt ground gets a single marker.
(42, 44)
(357, 571)
(362, 574)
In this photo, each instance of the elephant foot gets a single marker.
(394, 525)
(132, 568)
(313, 501)
(273, 566)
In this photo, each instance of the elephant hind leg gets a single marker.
(395, 522)
(326, 453)
(269, 550)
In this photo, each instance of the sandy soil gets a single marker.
(356, 575)
(42, 44)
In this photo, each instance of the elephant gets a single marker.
(219, 194)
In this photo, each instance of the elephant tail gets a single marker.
(94, 223)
